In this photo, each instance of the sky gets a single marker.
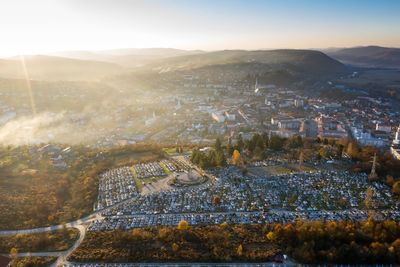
(44, 26)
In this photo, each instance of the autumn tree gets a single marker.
(239, 250)
(396, 188)
(224, 224)
(237, 158)
(271, 236)
(216, 200)
(175, 247)
(368, 197)
(13, 255)
(183, 225)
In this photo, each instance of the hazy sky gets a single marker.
(39, 26)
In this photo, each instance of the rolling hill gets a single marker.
(50, 68)
(368, 56)
(128, 57)
(305, 61)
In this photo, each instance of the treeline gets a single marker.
(261, 147)
(34, 261)
(213, 158)
(35, 193)
(57, 240)
(343, 242)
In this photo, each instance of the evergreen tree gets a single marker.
(229, 147)
(218, 145)
(240, 144)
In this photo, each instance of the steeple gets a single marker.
(396, 140)
(256, 86)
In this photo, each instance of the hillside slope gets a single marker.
(128, 57)
(307, 61)
(369, 56)
(57, 68)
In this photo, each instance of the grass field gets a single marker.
(133, 155)
(138, 184)
(279, 169)
(172, 152)
(165, 168)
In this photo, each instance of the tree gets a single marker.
(239, 250)
(175, 247)
(368, 197)
(396, 188)
(389, 180)
(216, 200)
(183, 225)
(276, 143)
(218, 145)
(240, 143)
(237, 158)
(350, 150)
(271, 236)
(220, 159)
(14, 255)
(301, 160)
(229, 147)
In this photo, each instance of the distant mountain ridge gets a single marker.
(40, 67)
(299, 60)
(98, 66)
(368, 56)
(127, 57)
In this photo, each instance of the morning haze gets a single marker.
(199, 133)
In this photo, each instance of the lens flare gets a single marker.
(28, 85)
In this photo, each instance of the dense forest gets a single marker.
(35, 192)
(222, 243)
(305, 241)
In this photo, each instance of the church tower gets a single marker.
(396, 140)
(256, 90)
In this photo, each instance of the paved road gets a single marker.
(80, 224)
(62, 259)
(53, 227)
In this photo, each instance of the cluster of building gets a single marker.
(198, 106)
(395, 148)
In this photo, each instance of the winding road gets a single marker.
(80, 224)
